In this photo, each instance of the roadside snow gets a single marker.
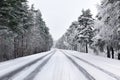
(9, 66)
(110, 65)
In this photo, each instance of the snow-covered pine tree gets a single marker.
(79, 34)
(20, 41)
(22, 30)
(11, 13)
(87, 32)
(109, 17)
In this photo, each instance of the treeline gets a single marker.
(22, 30)
(79, 35)
(102, 35)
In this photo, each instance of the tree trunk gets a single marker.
(15, 47)
(75, 47)
(86, 47)
(112, 52)
(118, 56)
(22, 43)
(108, 52)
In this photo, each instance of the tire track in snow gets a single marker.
(105, 71)
(16, 71)
(86, 74)
(32, 75)
(109, 73)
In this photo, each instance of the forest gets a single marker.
(89, 49)
(22, 30)
(99, 35)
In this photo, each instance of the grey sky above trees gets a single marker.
(59, 14)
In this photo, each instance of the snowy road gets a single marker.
(60, 65)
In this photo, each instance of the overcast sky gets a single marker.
(59, 14)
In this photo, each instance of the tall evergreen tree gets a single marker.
(109, 18)
(80, 33)
(11, 13)
(86, 34)
(22, 30)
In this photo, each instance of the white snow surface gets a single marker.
(61, 65)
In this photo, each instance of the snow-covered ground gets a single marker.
(60, 65)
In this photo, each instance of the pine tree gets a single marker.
(79, 35)
(86, 34)
(11, 14)
(22, 30)
(109, 17)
